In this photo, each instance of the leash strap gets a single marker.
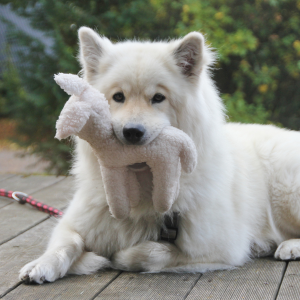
(169, 231)
(24, 198)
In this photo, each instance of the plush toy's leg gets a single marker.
(165, 185)
(115, 182)
(133, 189)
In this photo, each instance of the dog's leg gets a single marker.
(65, 247)
(148, 256)
(288, 250)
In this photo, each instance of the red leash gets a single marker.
(23, 198)
(168, 233)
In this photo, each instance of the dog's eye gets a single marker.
(119, 97)
(157, 98)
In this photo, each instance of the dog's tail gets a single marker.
(89, 263)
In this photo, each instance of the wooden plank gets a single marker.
(259, 279)
(150, 286)
(30, 245)
(16, 218)
(21, 250)
(290, 287)
(29, 184)
(26, 184)
(6, 176)
(71, 287)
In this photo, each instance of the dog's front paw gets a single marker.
(288, 250)
(43, 269)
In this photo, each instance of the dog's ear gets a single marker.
(191, 54)
(92, 48)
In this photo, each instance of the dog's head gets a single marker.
(142, 81)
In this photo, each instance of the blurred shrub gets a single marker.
(29, 93)
(257, 42)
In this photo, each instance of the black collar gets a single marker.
(169, 230)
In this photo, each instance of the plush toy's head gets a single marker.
(87, 115)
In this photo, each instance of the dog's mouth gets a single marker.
(138, 167)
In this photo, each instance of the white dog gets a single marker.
(242, 200)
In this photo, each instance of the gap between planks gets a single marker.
(6, 176)
(29, 212)
(282, 277)
(103, 288)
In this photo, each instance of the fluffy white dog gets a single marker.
(243, 199)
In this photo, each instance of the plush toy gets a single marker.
(86, 114)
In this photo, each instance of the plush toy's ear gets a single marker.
(72, 118)
(92, 48)
(191, 55)
(71, 84)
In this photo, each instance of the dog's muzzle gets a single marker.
(133, 133)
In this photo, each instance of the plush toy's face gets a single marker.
(146, 84)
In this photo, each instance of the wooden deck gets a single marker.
(25, 231)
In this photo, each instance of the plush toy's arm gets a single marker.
(185, 147)
(188, 154)
(167, 169)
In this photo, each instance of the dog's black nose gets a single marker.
(133, 133)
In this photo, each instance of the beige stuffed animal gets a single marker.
(86, 114)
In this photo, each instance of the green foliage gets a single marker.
(3, 99)
(36, 110)
(257, 42)
(240, 111)
(259, 55)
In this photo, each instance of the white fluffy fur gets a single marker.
(241, 201)
(86, 115)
